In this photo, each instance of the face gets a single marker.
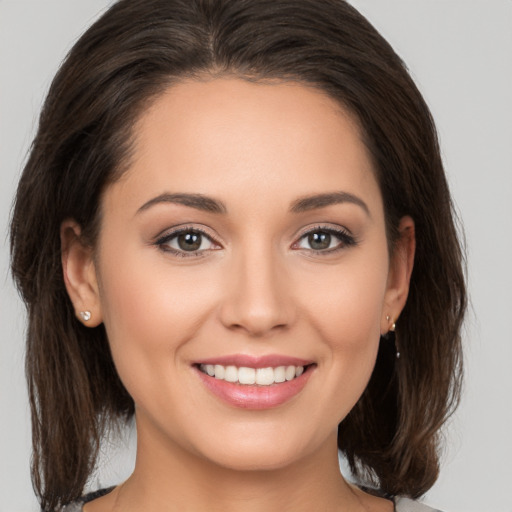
(242, 271)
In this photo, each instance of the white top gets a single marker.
(407, 505)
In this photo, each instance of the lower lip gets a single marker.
(252, 396)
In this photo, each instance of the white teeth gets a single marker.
(280, 374)
(248, 376)
(231, 374)
(265, 376)
(219, 371)
(290, 372)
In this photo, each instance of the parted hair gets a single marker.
(136, 50)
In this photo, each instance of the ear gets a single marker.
(80, 274)
(399, 277)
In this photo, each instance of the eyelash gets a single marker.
(343, 235)
(345, 240)
(164, 240)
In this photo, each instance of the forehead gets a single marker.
(214, 136)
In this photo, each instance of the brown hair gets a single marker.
(131, 54)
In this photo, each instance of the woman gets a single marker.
(246, 241)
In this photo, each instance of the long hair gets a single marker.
(135, 51)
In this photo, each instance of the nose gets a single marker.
(258, 295)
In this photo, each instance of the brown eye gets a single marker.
(187, 242)
(326, 240)
(190, 241)
(319, 240)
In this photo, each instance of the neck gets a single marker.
(169, 478)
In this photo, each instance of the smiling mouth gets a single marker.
(255, 383)
(253, 376)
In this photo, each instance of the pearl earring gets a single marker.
(85, 315)
(391, 332)
(393, 325)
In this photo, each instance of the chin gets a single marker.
(257, 451)
(254, 460)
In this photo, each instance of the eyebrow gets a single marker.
(208, 204)
(198, 201)
(313, 202)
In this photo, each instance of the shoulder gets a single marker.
(401, 503)
(75, 506)
(78, 505)
(407, 505)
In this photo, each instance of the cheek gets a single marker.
(150, 313)
(142, 293)
(346, 304)
(345, 314)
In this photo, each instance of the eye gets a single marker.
(325, 240)
(186, 242)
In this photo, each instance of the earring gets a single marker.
(393, 325)
(85, 315)
(391, 334)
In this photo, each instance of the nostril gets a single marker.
(256, 300)
(258, 330)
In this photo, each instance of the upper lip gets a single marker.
(249, 361)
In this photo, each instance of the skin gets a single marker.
(255, 287)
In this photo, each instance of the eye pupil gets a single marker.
(319, 240)
(189, 241)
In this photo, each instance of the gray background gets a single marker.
(460, 53)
